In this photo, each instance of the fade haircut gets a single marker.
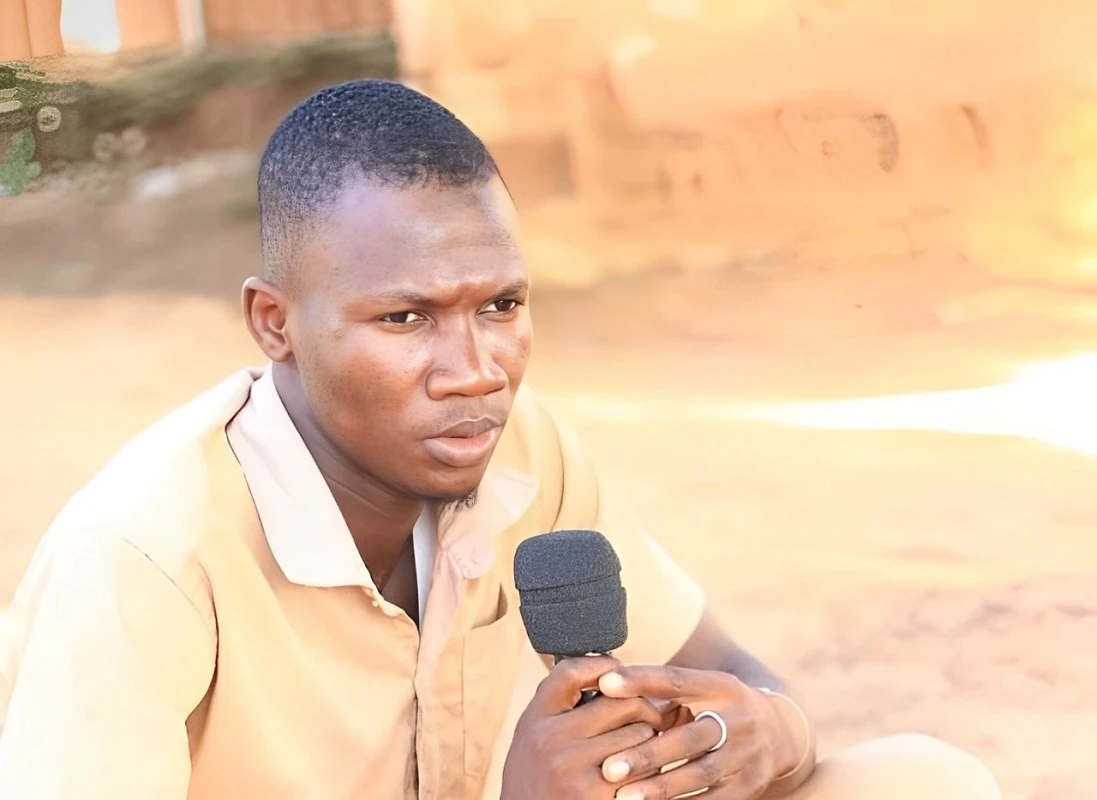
(377, 131)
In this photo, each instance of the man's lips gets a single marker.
(470, 428)
(465, 444)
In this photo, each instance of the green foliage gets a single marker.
(19, 168)
(33, 90)
(154, 91)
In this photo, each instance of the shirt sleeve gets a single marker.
(664, 602)
(114, 658)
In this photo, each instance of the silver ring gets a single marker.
(719, 721)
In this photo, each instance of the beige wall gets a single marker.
(29, 29)
(247, 20)
(147, 23)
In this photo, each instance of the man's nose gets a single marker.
(465, 365)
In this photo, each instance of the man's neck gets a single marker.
(380, 520)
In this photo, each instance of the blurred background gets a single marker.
(816, 280)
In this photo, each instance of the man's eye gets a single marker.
(503, 306)
(403, 317)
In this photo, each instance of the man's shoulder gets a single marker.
(531, 442)
(539, 439)
(542, 446)
(156, 492)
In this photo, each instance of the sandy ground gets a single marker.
(925, 581)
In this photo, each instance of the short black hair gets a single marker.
(379, 131)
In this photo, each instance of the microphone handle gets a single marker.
(589, 694)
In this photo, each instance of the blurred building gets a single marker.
(854, 129)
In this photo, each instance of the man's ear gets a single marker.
(265, 311)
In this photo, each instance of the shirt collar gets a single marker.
(305, 529)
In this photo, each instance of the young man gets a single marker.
(299, 584)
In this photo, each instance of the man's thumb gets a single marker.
(563, 687)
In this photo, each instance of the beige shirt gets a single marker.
(197, 623)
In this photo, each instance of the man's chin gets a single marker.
(465, 500)
(458, 492)
(446, 485)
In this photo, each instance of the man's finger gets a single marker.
(564, 686)
(621, 739)
(684, 743)
(746, 783)
(674, 715)
(672, 683)
(605, 714)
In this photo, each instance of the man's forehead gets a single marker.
(437, 240)
(427, 215)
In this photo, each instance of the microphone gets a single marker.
(571, 598)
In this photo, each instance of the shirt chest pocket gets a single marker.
(490, 660)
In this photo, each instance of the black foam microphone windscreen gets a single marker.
(571, 598)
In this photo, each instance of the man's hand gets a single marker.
(558, 748)
(759, 746)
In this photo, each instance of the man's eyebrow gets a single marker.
(518, 286)
(408, 296)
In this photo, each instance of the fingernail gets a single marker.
(615, 771)
(611, 683)
(629, 793)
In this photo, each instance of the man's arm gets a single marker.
(114, 658)
(710, 648)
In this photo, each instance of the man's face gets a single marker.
(410, 331)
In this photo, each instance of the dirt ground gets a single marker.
(903, 581)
